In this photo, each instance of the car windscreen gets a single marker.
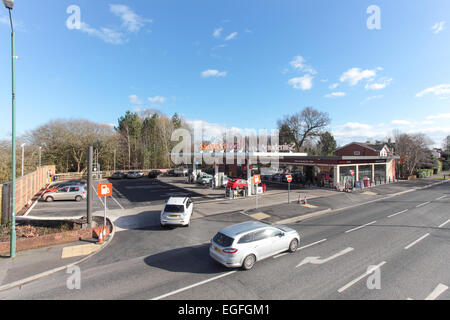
(223, 240)
(174, 208)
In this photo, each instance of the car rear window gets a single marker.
(223, 240)
(174, 208)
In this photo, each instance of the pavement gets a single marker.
(407, 236)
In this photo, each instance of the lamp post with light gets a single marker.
(9, 4)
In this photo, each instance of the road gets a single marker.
(407, 237)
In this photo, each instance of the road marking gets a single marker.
(415, 242)
(193, 286)
(311, 244)
(422, 204)
(441, 198)
(301, 248)
(348, 285)
(441, 288)
(317, 260)
(365, 225)
(393, 215)
(444, 223)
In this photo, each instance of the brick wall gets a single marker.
(351, 148)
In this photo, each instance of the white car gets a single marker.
(243, 244)
(177, 212)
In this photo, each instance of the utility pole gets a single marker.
(89, 186)
(40, 152)
(114, 160)
(9, 4)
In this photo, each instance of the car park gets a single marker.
(243, 244)
(237, 184)
(134, 175)
(154, 174)
(118, 175)
(72, 192)
(177, 211)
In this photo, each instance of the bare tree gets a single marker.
(303, 126)
(413, 151)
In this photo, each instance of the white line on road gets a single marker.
(301, 248)
(193, 286)
(311, 244)
(317, 260)
(444, 223)
(422, 204)
(441, 198)
(441, 288)
(365, 225)
(348, 285)
(415, 242)
(393, 215)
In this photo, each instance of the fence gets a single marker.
(26, 188)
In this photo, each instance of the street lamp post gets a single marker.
(9, 4)
(22, 146)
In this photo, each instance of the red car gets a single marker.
(237, 184)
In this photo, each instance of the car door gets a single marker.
(279, 240)
(189, 208)
(262, 243)
(61, 194)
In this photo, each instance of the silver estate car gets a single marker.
(73, 192)
(243, 244)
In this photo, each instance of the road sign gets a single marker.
(352, 172)
(289, 178)
(104, 189)
(256, 179)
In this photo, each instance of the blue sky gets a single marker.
(242, 64)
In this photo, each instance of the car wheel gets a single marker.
(249, 262)
(293, 245)
(78, 198)
(49, 199)
(163, 226)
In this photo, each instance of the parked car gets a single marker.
(177, 211)
(170, 173)
(181, 172)
(73, 192)
(237, 184)
(205, 179)
(56, 186)
(118, 175)
(134, 175)
(243, 244)
(277, 177)
(154, 174)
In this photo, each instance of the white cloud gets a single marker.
(157, 99)
(299, 63)
(401, 122)
(231, 36)
(105, 34)
(130, 20)
(336, 95)
(373, 98)
(438, 27)
(217, 32)
(334, 86)
(440, 90)
(213, 73)
(379, 85)
(303, 83)
(355, 75)
(439, 116)
(134, 99)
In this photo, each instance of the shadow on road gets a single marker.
(193, 259)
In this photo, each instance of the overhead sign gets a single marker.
(289, 178)
(256, 179)
(104, 189)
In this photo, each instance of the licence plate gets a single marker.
(218, 250)
(173, 216)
